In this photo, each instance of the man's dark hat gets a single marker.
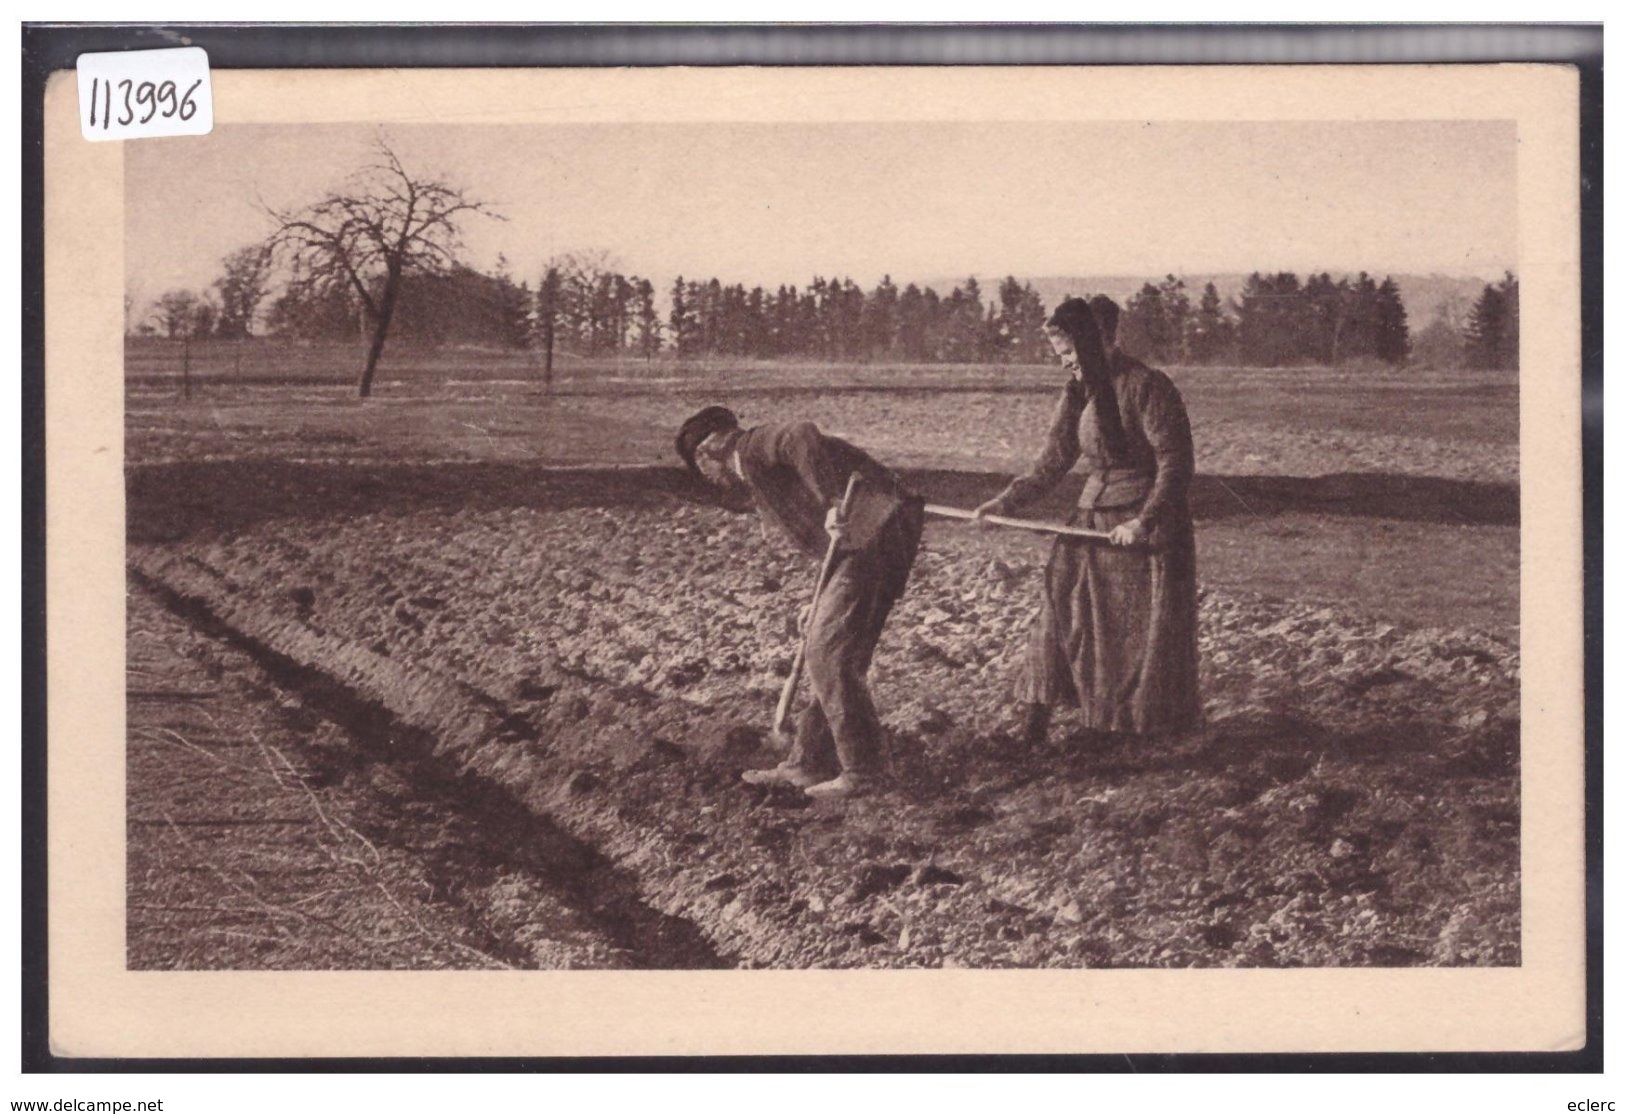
(713, 419)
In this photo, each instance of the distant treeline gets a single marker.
(1275, 321)
(584, 306)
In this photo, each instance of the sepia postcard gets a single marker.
(818, 561)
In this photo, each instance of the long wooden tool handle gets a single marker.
(1032, 524)
(787, 697)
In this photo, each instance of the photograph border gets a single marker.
(49, 48)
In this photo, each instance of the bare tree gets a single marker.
(242, 287)
(580, 274)
(565, 303)
(548, 298)
(367, 235)
(177, 313)
(185, 314)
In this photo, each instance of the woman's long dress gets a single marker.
(1116, 636)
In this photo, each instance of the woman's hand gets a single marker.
(1132, 532)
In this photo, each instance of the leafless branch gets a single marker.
(383, 222)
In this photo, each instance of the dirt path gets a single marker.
(262, 833)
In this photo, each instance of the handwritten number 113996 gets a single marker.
(156, 98)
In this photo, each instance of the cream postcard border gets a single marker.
(98, 1008)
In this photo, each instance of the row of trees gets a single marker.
(584, 306)
(1277, 320)
(835, 319)
(381, 256)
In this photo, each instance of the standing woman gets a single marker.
(1117, 633)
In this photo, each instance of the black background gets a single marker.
(48, 47)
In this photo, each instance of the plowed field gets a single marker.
(543, 618)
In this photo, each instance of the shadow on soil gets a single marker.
(507, 834)
(1247, 753)
(170, 501)
(1353, 494)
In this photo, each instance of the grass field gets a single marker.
(522, 579)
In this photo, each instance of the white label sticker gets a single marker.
(143, 94)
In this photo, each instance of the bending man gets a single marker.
(796, 476)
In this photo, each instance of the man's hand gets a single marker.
(803, 619)
(979, 515)
(834, 523)
(1131, 532)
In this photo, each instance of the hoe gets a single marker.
(1033, 525)
(781, 716)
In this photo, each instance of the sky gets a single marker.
(778, 203)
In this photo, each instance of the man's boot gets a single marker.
(785, 773)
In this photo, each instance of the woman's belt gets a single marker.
(1116, 487)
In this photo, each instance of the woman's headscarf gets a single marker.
(1076, 320)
